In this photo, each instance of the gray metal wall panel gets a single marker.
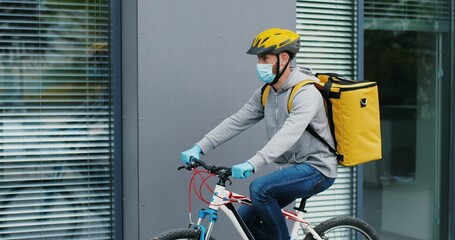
(192, 73)
(130, 157)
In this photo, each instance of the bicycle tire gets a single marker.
(179, 233)
(341, 228)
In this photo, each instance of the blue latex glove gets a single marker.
(191, 153)
(242, 170)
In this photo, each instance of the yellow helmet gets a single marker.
(275, 41)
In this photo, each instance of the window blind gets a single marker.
(408, 15)
(327, 31)
(56, 117)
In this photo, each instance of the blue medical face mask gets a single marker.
(265, 72)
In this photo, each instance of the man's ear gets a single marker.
(285, 58)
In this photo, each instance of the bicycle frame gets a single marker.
(222, 200)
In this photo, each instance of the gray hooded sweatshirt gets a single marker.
(289, 143)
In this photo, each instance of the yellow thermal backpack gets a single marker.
(353, 112)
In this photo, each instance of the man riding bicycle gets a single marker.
(305, 166)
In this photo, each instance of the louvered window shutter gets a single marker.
(327, 30)
(56, 117)
(408, 15)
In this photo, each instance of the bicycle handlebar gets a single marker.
(223, 173)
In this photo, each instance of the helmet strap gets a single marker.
(279, 73)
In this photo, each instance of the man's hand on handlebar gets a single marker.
(190, 154)
(242, 170)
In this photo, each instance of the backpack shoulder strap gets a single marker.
(294, 91)
(264, 94)
(331, 149)
(266, 89)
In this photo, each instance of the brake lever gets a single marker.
(187, 167)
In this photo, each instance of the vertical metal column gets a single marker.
(452, 122)
(360, 76)
(117, 92)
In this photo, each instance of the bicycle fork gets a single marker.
(218, 201)
(213, 216)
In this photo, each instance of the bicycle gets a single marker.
(344, 227)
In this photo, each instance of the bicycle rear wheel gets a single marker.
(179, 233)
(344, 228)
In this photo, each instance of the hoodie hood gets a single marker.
(297, 75)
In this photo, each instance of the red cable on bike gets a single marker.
(191, 185)
(204, 182)
(189, 193)
(199, 193)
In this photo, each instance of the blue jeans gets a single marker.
(274, 191)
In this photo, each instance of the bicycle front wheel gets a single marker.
(179, 233)
(341, 228)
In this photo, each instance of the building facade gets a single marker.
(98, 98)
(407, 47)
